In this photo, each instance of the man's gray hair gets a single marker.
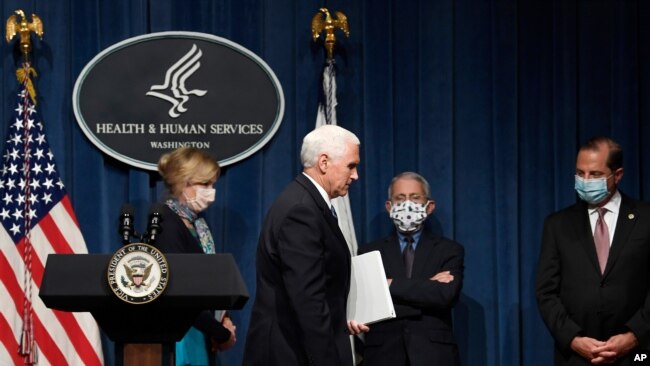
(412, 176)
(328, 139)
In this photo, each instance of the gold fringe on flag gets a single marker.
(23, 76)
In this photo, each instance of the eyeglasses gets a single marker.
(412, 197)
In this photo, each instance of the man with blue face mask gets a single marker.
(593, 288)
(425, 277)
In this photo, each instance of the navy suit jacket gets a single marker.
(422, 330)
(303, 279)
(575, 299)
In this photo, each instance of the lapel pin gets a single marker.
(630, 216)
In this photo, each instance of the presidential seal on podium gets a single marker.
(138, 273)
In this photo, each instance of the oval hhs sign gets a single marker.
(151, 94)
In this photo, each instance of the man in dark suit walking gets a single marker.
(425, 277)
(303, 263)
(593, 277)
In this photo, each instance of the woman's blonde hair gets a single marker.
(187, 165)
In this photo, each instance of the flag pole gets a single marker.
(323, 22)
(23, 28)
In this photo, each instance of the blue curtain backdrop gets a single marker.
(487, 99)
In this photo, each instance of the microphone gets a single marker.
(155, 219)
(126, 223)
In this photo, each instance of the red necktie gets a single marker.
(409, 255)
(601, 238)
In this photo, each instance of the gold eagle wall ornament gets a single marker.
(22, 27)
(323, 21)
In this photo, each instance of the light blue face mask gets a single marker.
(592, 191)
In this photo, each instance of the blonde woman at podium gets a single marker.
(190, 175)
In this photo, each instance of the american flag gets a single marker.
(36, 219)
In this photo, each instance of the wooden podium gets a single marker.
(144, 334)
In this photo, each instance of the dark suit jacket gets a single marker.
(423, 327)
(175, 237)
(303, 278)
(572, 295)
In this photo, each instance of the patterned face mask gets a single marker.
(408, 216)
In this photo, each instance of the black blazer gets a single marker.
(422, 330)
(572, 295)
(303, 278)
(175, 237)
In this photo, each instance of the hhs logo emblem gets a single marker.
(153, 93)
(174, 83)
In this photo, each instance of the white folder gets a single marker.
(369, 299)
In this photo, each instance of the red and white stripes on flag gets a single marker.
(327, 116)
(36, 219)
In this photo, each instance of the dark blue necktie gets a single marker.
(333, 212)
(409, 256)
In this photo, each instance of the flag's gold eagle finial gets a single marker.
(21, 26)
(329, 25)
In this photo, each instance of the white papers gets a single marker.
(219, 314)
(369, 299)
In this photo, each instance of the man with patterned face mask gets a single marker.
(592, 279)
(425, 276)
